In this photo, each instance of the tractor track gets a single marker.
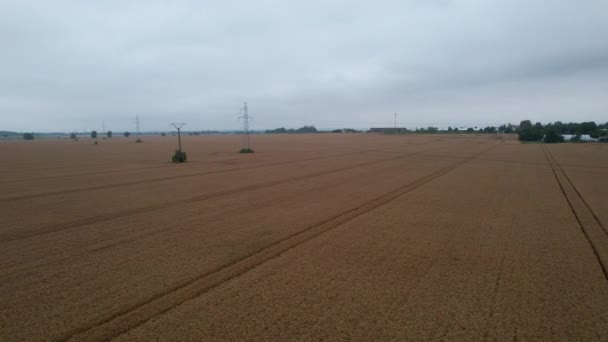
(126, 240)
(92, 173)
(518, 162)
(161, 179)
(133, 169)
(187, 175)
(351, 151)
(138, 314)
(110, 216)
(597, 219)
(577, 197)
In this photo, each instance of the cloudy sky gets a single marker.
(73, 65)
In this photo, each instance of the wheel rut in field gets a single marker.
(588, 222)
(110, 216)
(92, 173)
(167, 178)
(138, 314)
(161, 179)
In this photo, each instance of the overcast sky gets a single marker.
(73, 65)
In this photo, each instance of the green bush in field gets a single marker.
(246, 150)
(179, 157)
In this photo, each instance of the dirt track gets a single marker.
(313, 237)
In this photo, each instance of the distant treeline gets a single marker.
(527, 131)
(209, 132)
(507, 128)
(304, 129)
(553, 131)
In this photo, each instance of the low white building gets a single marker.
(584, 137)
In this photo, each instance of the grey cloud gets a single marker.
(71, 65)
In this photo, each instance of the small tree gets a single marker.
(28, 136)
(553, 137)
(126, 134)
(73, 136)
(94, 134)
(179, 157)
(109, 134)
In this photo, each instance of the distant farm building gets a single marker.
(584, 137)
(388, 130)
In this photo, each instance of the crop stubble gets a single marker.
(361, 237)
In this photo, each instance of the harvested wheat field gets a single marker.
(320, 237)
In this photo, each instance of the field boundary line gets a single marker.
(585, 229)
(111, 216)
(138, 314)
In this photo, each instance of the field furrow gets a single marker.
(313, 237)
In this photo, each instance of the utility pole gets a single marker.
(245, 118)
(178, 126)
(395, 120)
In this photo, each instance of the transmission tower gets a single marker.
(137, 125)
(395, 120)
(178, 126)
(245, 118)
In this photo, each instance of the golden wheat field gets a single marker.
(318, 237)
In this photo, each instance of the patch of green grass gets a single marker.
(246, 150)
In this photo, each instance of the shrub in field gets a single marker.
(109, 134)
(530, 134)
(553, 137)
(246, 150)
(126, 134)
(28, 136)
(73, 136)
(179, 157)
(94, 134)
(139, 140)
